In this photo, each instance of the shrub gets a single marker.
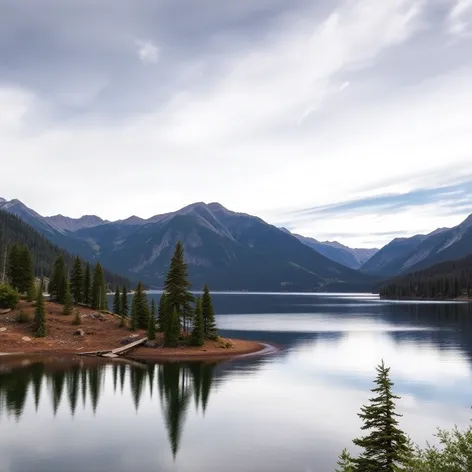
(77, 320)
(22, 317)
(8, 297)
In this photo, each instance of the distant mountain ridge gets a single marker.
(228, 250)
(352, 258)
(404, 255)
(74, 224)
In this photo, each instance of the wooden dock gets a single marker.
(119, 351)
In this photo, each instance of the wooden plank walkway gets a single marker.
(119, 351)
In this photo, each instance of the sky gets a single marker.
(343, 120)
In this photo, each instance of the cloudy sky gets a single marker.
(339, 119)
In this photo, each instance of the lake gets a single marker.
(289, 412)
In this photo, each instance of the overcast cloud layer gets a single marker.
(346, 120)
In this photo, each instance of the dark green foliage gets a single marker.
(172, 333)
(20, 269)
(98, 298)
(124, 302)
(13, 263)
(31, 293)
(124, 306)
(345, 462)
(162, 313)
(198, 334)
(447, 280)
(151, 329)
(385, 448)
(77, 320)
(209, 323)
(14, 231)
(8, 297)
(57, 284)
(77, 281)
(117, 302)
(39, 326)
(87, 289)
(140, 308)
(177, 286)
(67, 310)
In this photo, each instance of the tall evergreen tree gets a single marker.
(40, 315)
(117, 302)
(140, 308)
(209, 323)
(385, 448)
(162, 316)
(124, 306)
(177, 287)
(172, 333)
(32, 291)
(25, 270)
(97, 287)
(103, 292)
(198, 334)
(67, 310)
(77, 281)
(13, 263)
(151, 330)
(87, 295)
(57, 283)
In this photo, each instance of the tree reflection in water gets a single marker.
(177, 385)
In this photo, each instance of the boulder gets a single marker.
(150, 344)
(2, 330)
(79, 332)
(129, 339)
(5, 311)
(25, 338)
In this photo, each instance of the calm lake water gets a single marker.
(289, 412)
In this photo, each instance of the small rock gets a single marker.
(79, 332)
(2, 330)
(129, 339)
(150, 344)
(5, 311)
(25, 338)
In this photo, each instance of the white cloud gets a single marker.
(460, 17)
(148, 52)
(275, 127)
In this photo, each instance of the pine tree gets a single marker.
(77, 281)
(151, 331)
(134, 317)
(345, 462)
(13, 263)
(67, 310)
(140, 308)
(177, 287)
(31, 294)
(25, 270)
(385, 448)
(162, 313)
(198, 334)
(124, 306)
(40, 315)
(57, 283)
(172, 333)
(117, 302)
(97, 287)
(77, 320)
(209, 323)
(87, 286)
(103, 292)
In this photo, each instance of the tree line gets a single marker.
(180, 316)
(15, 232)
(447, 280)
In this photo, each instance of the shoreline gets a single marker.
(415, 299)
(101, 331)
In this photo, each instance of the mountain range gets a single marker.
(404, 255)
(237, 251)
(226, 249)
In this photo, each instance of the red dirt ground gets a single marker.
(100, 335)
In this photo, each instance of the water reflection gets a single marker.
(177, 385)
